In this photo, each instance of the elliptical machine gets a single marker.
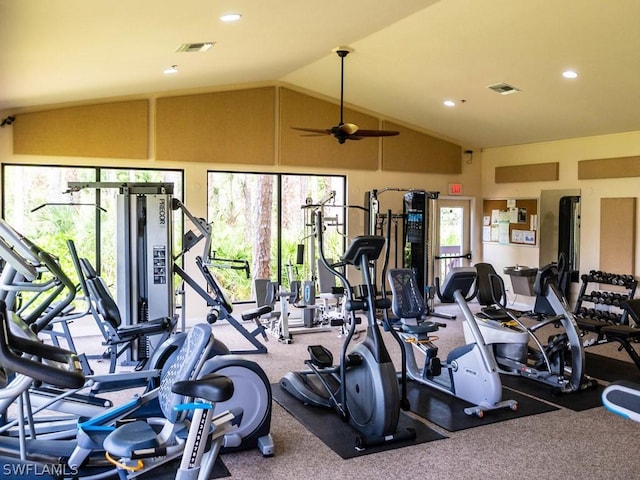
(363, 388)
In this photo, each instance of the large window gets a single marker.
(38, 204)
(259, 218)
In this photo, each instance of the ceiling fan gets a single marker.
(346, 131)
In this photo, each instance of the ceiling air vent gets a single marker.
(195, 47)
(503, 88)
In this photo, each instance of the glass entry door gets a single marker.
(452, 238)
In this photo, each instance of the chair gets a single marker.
(408, 303)
(266, 295)
(330, 294)
(458, 278)
(118, 338)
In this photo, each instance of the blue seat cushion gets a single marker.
(130, 437)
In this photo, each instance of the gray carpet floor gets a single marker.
(562, 443)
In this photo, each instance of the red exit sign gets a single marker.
(455, 189)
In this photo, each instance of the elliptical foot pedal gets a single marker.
(320, 356)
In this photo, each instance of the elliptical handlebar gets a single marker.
(323, 258)
(55, 366)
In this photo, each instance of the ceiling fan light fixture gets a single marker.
(449, 103)
(172, 70)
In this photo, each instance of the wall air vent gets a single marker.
(195, 47)
(503, 88)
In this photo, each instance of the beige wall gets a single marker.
(568, 153)
(358, 181)
(477, 178)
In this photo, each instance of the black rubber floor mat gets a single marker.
(340, 436)
(168, 471)
(576, 401)
(611, 369)
(447, 411)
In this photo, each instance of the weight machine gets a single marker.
(145, 260)
(220, 306)
(416, 245)
(144, 284)
(313, 318)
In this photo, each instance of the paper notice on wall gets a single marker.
(517, 236)
(503, 232)
(495, 230)
(486, 233)
(513, 215)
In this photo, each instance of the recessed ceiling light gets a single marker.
(449, 103)
(171, 70)
(570, 74)
(230, 17)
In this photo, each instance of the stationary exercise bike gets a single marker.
(186, 430)
(251, 385)
(560, 363)
(363, 387)
(470, 371)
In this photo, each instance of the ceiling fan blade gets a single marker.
(319, 131)
(376, 133)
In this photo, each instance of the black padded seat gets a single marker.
(459, 278)
(591, 324)
(491, 294)
(254, 313)
(407, 302)
(621, 331)
(212, 387)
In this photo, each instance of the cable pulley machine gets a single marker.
(144, 287)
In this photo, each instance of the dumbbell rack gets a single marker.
(602, 304)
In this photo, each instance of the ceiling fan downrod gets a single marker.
(342, 52)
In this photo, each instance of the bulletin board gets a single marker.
(512, 221)
(618, 235)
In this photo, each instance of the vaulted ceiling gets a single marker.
(408, 57)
